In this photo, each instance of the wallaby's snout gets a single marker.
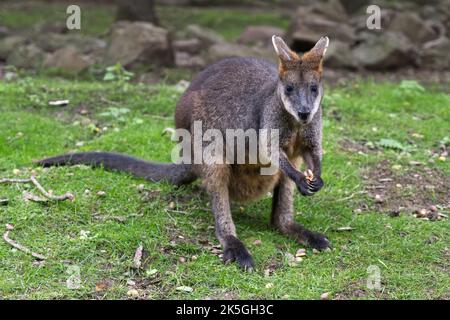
(304, 115)
(300, 79)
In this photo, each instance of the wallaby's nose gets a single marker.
(303, 115)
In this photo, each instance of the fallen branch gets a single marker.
(4, 202)
(350, 196)
(15, 181)
(177, 211)
(18, 246)
(66, 196)
(32, 197)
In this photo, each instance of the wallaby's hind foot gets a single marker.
(306, 237)
(235, 251)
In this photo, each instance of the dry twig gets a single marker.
(15, 181)
(18, 246)
(32, 197)
(66, 196)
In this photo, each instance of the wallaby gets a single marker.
(246, 93)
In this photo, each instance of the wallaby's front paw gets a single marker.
(316, 184)
(303, 186)
(308, 187)
(235, 251)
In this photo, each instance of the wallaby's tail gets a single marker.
(173, 173)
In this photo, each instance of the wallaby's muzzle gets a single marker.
(303, 115)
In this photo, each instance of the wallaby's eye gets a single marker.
(289, 88)
(314, 88)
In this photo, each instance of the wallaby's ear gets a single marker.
(321, 47)
(284, 53)
(314, 57)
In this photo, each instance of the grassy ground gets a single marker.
(99, 234)
(97, 18)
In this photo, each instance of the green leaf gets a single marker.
(391, 144)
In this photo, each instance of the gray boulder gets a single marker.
(69, 59)
(9, 44)
(186, 60)
(339, 55)
(307, 28)
(27, 56)
(259, 35)
(54, 41)
(387, 50)
(355, 6)
(332, 9)
(4, 31)
(139, 43)
(435, 54)
(411, 25)
(191, 46)
(224, 50)
(206, 36)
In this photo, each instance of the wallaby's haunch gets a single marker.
(246, 93)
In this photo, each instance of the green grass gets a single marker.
(97, 18)
(229, 22)
(30, 129)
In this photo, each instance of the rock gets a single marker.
(27, 56)
(184, 289)
(300, 253)
(50, 26)
(412, 26)
(259, 35)
(354, 6)
(69, 59)
(359, 22)
(133, 293)
(389, 50)
(191, 46)
(435, 54)
(206, 36)
(325, 296)
(185, 60)
(339, 55)
(150, 77)
(138, 43)
(307, 28)
(8, 44)
(257, 242)
(332, 9)
(54, 41)
(4, 31)
(225, 50)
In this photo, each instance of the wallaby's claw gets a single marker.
(316, 184)
(317, 241)
(304, 187)
(235, 251)
(308, 188)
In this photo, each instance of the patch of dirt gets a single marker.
(419, 189)
(359, 290)
(354, 146)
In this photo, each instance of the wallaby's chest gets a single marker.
(247, 183)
